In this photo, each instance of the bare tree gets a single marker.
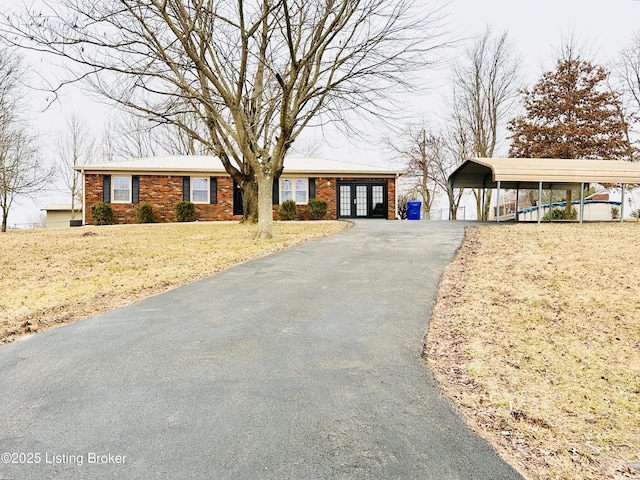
(485, 87)
(306, 148)
(76, 146)
(38, 220)
(254, 74)
(457, 142)
(429, 157)
(421, 152)
(21, 171)
(132, 136)
(627, 70)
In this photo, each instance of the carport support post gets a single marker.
(539, 201)
(498, 204)
(622, 204)
(581, 202)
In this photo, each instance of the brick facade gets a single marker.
(164, 191)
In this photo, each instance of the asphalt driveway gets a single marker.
(301, 365)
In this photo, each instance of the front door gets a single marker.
(362, 199)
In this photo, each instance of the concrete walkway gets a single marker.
(301, 365)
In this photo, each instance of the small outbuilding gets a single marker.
(60, 215)
(544, 174)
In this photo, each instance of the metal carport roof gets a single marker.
(554, 173)
(543, 174)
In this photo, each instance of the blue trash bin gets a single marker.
(413, 210)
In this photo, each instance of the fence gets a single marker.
(443, 214)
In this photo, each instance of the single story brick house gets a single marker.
(351, 190)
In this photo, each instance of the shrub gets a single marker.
(558, 214)
(288, 210)
(102, 214)
(144, 213)
(185, 211)
(403, 210)
(615, 213)
(317, 209)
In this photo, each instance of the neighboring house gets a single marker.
(60, 215)
(351, 190)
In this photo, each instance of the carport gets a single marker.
(543, 174)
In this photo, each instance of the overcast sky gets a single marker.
(536, 28)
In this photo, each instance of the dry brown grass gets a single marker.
(536, 337)
(56, 276)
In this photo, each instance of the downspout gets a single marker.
(84, 198)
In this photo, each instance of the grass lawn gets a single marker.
(535, 335)
(50, 277)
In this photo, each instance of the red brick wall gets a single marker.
(327, 190)
(164, 191)
(391, 192)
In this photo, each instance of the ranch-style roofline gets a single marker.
(553, 173)
(210, 165)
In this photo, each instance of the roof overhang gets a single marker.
(210, 165)
(552, 173)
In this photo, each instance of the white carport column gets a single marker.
(581, 202)
(539, 201)
(622, 203)
(498, 204)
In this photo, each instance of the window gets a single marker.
(200, 190)
(294, 189)
(121, 189)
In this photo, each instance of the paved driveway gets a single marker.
(301, 365)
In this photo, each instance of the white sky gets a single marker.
(536, 28)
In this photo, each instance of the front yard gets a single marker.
(536, 337)
(50, 277)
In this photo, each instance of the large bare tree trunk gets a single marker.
(249, 201)
(487, 204)
(477, 192)
(567, 208)
(265, 205)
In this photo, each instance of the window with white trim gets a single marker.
(199, 190)
(121, 189)
(294, 189)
